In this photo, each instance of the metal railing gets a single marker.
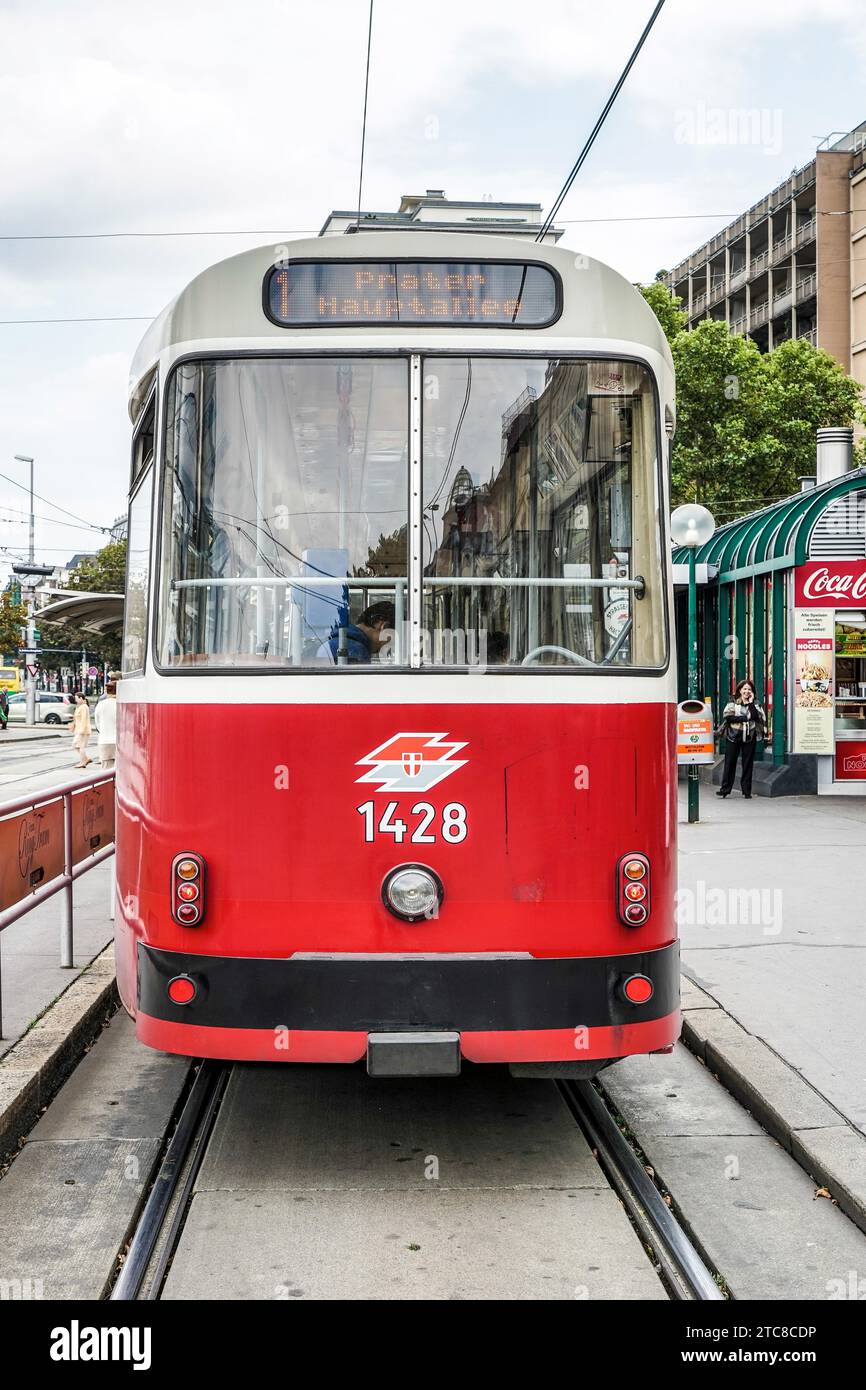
(739, 277)
(806, 231)
(806, 285)
(47, 840)
(782, 301)
(782, 247)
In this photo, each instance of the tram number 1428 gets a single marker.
(450, 826)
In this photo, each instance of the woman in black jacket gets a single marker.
(743, 723)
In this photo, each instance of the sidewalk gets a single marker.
(31, 972)
(773, 925)
(22, 733)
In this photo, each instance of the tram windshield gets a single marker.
(289, 513)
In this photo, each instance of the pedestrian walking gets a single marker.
(81, 730)
(105, 719)
(4, 711)
(743, 723)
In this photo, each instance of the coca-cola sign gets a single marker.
(830, 584)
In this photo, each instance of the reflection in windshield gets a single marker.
(540, 470)
(287, 481)
(286, 514)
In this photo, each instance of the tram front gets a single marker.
(396, 758)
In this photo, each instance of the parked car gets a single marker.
(50, 708)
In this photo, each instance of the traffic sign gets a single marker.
(93, 670)
(32, 670)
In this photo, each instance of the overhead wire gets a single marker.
(89, 524)
(591, 139)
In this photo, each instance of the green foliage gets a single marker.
(102, 573)
(665, 306)
(746, 420)
(12, 619)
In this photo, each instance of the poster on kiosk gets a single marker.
(813, 679)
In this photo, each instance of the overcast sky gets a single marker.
(180, 115)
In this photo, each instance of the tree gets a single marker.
(12, 619)
(746, 420)
(102, 573)
(719, 445)
(665, 306)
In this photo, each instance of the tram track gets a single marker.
(158, 1230)
(680, 1264)
(160, 1222)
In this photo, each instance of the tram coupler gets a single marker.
(413, 1054)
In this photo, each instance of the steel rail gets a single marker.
(194, 1123)
(683, 1270)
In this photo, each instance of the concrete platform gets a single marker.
(32, 974)
(320, 1183)
(748, 1204)
(790, 968)
(70, 1198)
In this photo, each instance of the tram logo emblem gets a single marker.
(411, 762)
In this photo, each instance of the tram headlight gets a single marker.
(633, 889)
(413, 892)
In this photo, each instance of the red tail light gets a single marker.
(187, 889)
(633, 898)
(638, 989)
(182, 989)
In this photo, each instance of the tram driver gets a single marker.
(357, 643)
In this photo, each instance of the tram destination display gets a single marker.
(484, 293)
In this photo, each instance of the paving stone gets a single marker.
(756, 1217)
(68, 1201)
(530, 1244)
(672, 1095)
(323, 1127)
(120, 1090)
(836, 1156)
(693, 997)
(65, 1211)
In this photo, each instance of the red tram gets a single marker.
(396, 727)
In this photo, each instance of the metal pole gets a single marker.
(32, 538)
(66, 919)
(694, 784)
(30, 684)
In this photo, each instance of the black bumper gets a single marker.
(382, 995)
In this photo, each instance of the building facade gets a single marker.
(794, 264)
(432, 211)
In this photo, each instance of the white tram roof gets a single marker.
(222, 308)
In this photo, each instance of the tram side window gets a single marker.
(285, 514)
(137, 577)
(143, 442)
(540, 513)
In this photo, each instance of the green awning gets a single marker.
(776, 537)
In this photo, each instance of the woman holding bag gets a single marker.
(81, 730)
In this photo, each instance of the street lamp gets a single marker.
(25, 458)
(692, 525)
